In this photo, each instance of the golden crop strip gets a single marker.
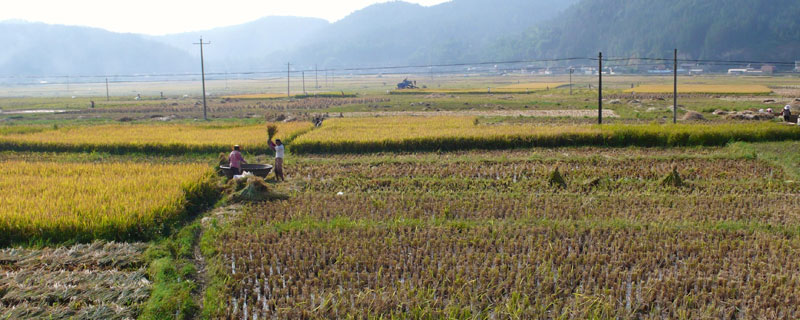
(460, 133)
(170, 138)
(404, 128)
(702, 88)
(116, 201)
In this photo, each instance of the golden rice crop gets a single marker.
(463, 133)
(158, 138)
(118, 201)
(703, 88)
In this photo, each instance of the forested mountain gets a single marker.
(763, 30)
(400, 32)
(41, 49)
(246, 46)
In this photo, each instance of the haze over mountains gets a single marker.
(399, 33)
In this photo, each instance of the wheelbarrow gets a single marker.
(259, 170)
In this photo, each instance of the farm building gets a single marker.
(797, 66)
(768, 69)
(745, 71)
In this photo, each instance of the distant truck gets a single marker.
(406, 84)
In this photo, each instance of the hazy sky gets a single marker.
(171, 16)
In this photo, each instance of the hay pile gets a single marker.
(692, 115)
(252, 189)
(101, 280)
(556, 179)
(673, 179)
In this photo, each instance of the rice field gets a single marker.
(464, 133)
(534, 86)
(151, 138)
(476, 235)
(57, 201)
(101, 280)
(755, 89)
(459, 204)
(255, 96)
(520, 88)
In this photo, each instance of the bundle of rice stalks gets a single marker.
(556, 179)
(272, 130)
(222, 160)
(591, 182)
(693, 116)
(673, 179)
(254, 189)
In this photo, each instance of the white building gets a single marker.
(797, 66)
(747, 71)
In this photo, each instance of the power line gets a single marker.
(421, 68)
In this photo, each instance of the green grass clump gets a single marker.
(172, 273)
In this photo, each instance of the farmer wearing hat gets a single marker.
(787, 113)
(279, 152)
(236, 160)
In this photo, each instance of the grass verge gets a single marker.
(173, 275)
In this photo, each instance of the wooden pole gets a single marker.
(108, 96)
(675, 89)
(203, 73)
(304, 82)
(288, 79)
(600, 91)
(571, 70)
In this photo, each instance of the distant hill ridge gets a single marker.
(397, 33)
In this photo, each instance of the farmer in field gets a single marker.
(279, 152)
(236, 160)
(787, 113)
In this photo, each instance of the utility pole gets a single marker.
(288, 78)
(333, 78)
(600, 91)
(203, 75)
(571, 70)
(316, 77)
(108, 97)
(304, 82)
(675, 90)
